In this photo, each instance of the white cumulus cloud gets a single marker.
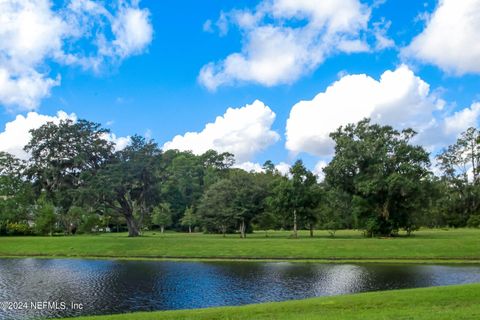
(87, 33)
(282, 167)
(284, 39)
(119, 143)
(16, 133)
(450, 39)
(399, 98)
(132, 30)
(249, 166)
(318, 170)
(25, 90)
(242, 131)
(463, 119)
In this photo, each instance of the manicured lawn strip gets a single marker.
(438, 303)
(459, 245)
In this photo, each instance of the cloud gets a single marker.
(120, 143)
(132, 31)
(114, 32)
(285, 39)
(16, 133)
(380, 33)
(463, 119)
(25, 90)
(249, 166)
(29, 31)
(148, 134)
(243, 131)
(399, 98)
(282, 167)
(318, 170)
(34, 33)
(207, 26)
(450, 39)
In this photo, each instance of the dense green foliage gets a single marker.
(45, 218)
(60, 156)
(16, 196)
(297, 197)
(232, 201)
(162, 216)
(377, 181)
(459, 194)
(189, 219)
(382, 173)
(440, 303)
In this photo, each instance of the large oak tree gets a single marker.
(382, 172)
(60, 154)
(128, 184)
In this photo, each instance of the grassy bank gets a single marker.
(453, 302)
(460, 245)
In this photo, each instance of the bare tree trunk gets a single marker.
(295, 233)
(474, 169)
(127, 210)
(189, 229)
(242, 229)
(132, 226)
(311, 230)
(224, 230)
(475, 173)
(162, 228)
(140, 219)
(385, 211)
(409, 232)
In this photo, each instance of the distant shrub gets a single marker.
(377, 226)
(18, 229)
(474, 221)
(45, 219)
(89, 223)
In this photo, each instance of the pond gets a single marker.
(71, 287)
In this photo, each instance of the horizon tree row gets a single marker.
(378, 181)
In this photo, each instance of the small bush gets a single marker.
(89, 223)
(379, 227)
(18, 229)
(45, 219)
(474, 221)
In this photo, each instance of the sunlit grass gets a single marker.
(454, 244)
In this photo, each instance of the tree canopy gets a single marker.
(382, 172)
(378, 181)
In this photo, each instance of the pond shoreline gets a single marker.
(362, 260)
(433, 303)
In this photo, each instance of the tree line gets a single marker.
(378, 181)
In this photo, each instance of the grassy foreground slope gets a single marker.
(453, 302)
(461, 245)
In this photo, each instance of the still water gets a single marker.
(115, 286)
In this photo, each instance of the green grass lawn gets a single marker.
(455, 245)
(452, 302)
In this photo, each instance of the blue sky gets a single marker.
(152, 86)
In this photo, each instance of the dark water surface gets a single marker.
(115, 286)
